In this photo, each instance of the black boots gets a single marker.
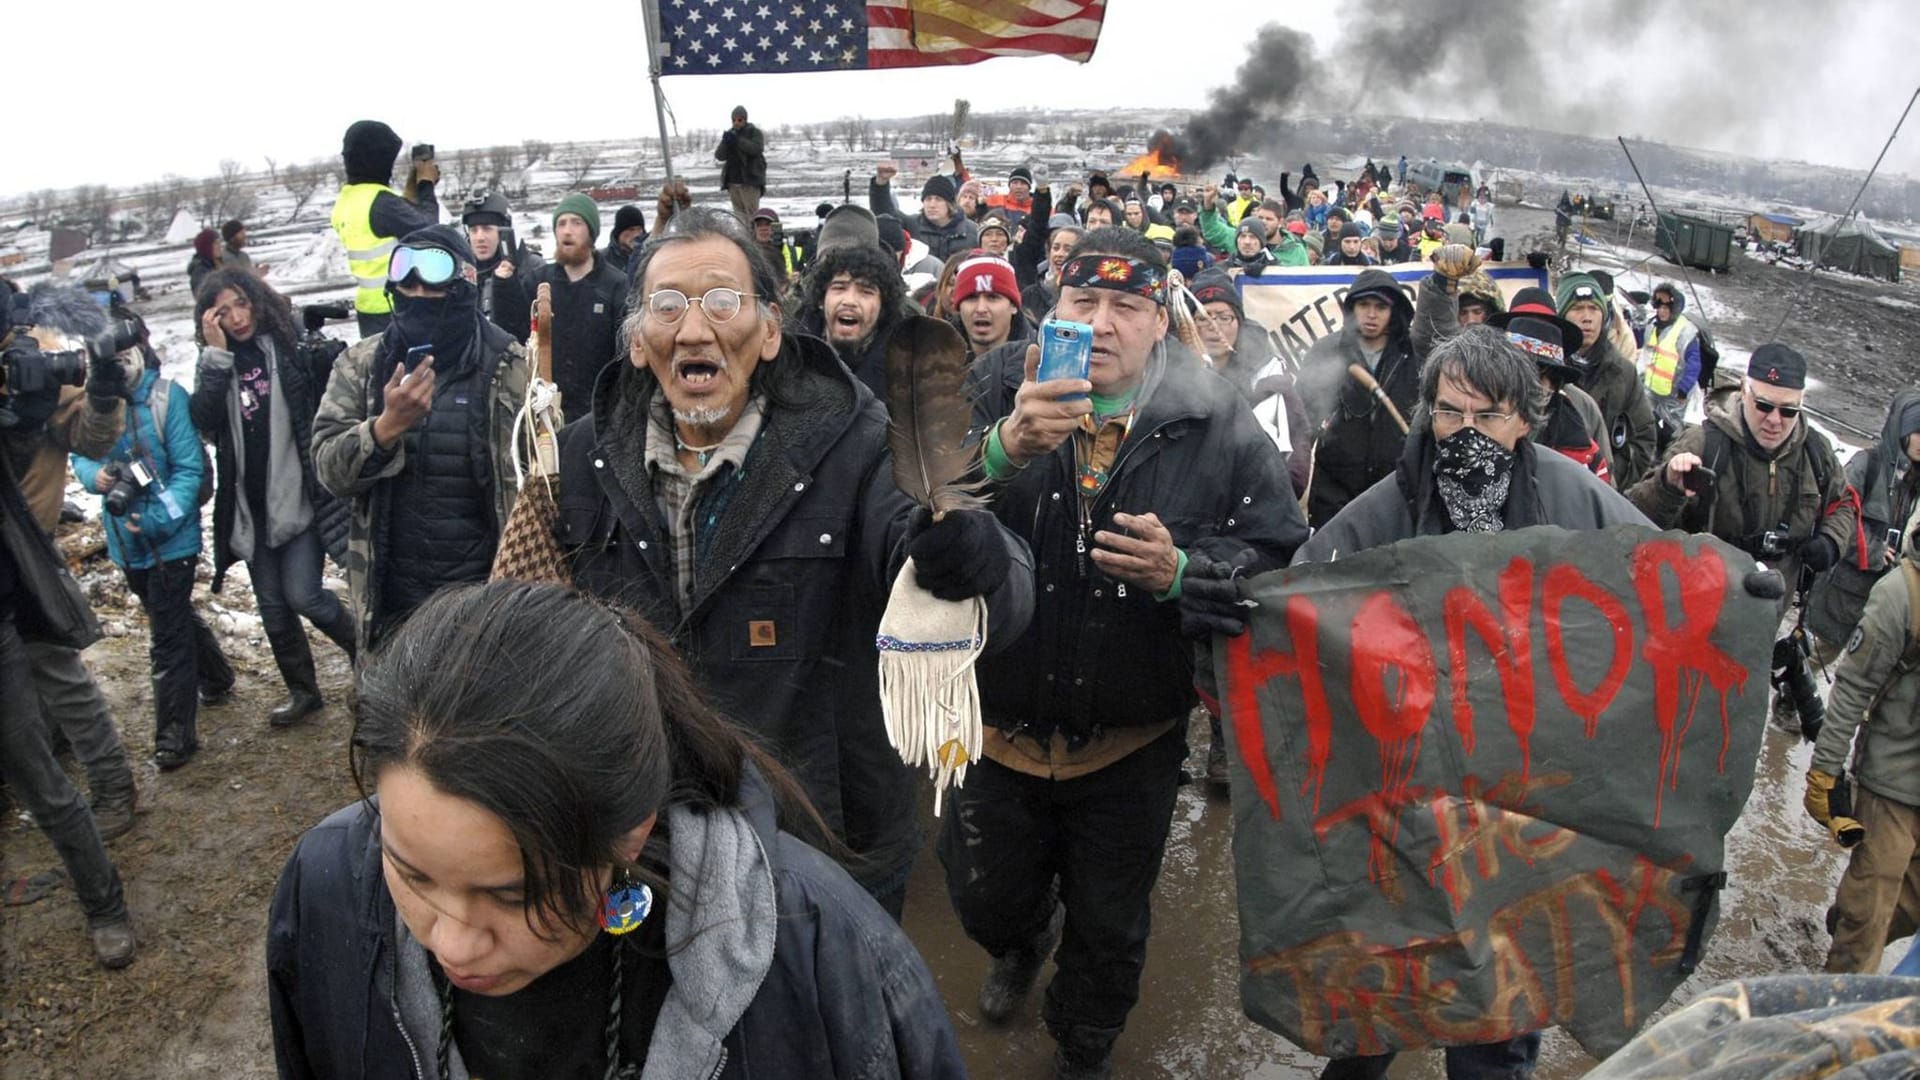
(1011, 976)
(1083, 1053)
(295, 659)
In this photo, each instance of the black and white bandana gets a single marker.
(1473, 473)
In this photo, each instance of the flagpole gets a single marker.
(650, 14)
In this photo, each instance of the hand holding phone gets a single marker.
(1066, 352)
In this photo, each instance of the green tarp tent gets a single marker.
(1852, 246)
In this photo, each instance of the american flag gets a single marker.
(740, 37)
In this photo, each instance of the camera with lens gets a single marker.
(1773, 543)
(26, 369)
(129, 480)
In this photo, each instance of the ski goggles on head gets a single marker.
(428, 266)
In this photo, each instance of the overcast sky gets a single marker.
(121, 92)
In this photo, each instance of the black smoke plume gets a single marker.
(1267, 84)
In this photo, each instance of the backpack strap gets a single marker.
(1910, 657)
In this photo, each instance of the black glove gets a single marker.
(106, 381)
(1819, 553)
(1209, 600)
(960, 556)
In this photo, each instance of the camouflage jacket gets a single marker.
(344, 451)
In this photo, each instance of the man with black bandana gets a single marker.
(1469, 466)
(421, 442)
(1143, 490)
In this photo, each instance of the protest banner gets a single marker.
(1301, 304)
(1481, 784)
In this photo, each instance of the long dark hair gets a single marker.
(272, 313)
(570, 720)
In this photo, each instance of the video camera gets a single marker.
(27, 371)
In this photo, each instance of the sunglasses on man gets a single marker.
(1767, 407)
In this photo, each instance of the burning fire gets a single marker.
(1160, 162)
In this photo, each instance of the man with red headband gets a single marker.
(1143, 489)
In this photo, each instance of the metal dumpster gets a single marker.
(1696, 241)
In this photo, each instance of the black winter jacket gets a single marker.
(47, 604)
(303, 373)
(1099, 653)
(943, 241)
(1356, 442)
(1631, 435)
(586, 327)
(788, 592)
(742, 155)
(508, 302)
(840, 991)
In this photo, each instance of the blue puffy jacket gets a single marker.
(168, 525)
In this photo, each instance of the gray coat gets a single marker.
(1869, 696)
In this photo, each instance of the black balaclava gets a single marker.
(449, 323)
(1473, 473)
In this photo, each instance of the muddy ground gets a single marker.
(201, 864)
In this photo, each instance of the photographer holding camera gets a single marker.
(44, 617)
(1771, 486)
(257, 391)
(47, 424)
(149, 484)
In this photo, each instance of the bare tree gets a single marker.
(153, 206)
(499, 164)
(303, 181)
(273, 172)
(535, 150)
(93, 210)
(577, 162)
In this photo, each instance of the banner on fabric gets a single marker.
(1301, 304)
(745, 37)
(1482, 784)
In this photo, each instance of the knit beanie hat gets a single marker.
(1577, 287)
(1213, 285)
(971, 186)
(626, 218)
(939, 184)
(986, 273)
(995, 220)
(1351, 230)
(1021, 172)
(1190, 260)
(1253, 225)
(1316, 242)
(893, 234)
(579, 204)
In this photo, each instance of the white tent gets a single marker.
(184, 228)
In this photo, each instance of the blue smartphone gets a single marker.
(417, 354)
(1066, 352)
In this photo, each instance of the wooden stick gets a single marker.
(1367, 382)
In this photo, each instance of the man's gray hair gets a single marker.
(1481, 358)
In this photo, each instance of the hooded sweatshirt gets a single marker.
(780, 966)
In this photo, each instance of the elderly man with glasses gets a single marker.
(416, 431)
(732, 483)
(1758, 478)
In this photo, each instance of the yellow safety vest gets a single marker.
(1157, 231)
(367, 253)
(1663, 354)
(1238, 209)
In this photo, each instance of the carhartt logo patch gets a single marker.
(761, 634)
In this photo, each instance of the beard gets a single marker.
(573, 255)
(704, 417)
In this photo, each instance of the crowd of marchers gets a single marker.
(652, 818)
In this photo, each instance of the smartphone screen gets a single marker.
(1066, 352)
(417, 354)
